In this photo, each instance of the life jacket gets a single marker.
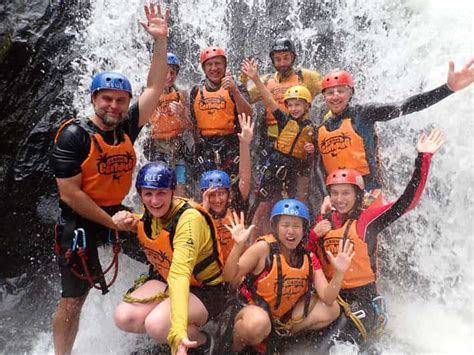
(215, 112)
(292, 139)
(223, 234)
(278, 89)
(159, 250)
(360, 272)
(107, 170)
(279, 287)
(342, 148)
(165, 124)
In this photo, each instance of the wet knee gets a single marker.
(157, 328)
(125, 319)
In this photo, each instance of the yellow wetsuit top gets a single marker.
(311, 80)
(192, 243)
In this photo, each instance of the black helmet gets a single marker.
(282, 45)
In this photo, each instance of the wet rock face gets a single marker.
(35, 58)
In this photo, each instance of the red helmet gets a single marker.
(336, 78)
(211, 52)
(345, 176)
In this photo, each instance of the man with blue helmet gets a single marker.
(221, 197)
(93, 160)
(185, 286)
(171, 129)
(285, 289)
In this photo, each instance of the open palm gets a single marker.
(430, 143)
(240, 234)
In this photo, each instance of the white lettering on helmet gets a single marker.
(152, 177)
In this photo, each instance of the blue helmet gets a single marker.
(110, 81)
(172, 59)
(215, 178)
(157, 175)
(290, 207)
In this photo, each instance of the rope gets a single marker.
(160, 296)
(357, 322)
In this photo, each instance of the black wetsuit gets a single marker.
(71, 149)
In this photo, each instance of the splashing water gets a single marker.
(395, 48)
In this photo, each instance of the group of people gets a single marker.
(291, 269)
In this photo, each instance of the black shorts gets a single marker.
(95, 235)
(214, 298)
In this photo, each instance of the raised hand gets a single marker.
(157, 24)
(247, 126)
(250, 68)
(205, 197)
(240, 234)
(458, 80)
(228, 82)
(344, 256)
(322, 228)
(430, 143)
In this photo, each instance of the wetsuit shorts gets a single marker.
(94, 235)
(213, 298)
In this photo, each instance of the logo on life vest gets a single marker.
(278, 93)
(115, 165)
(159, 259)
(212, 103)
(332, 245)
(291, 286)
(333, 145)
(164, 108)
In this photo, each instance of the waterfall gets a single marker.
(394, 48)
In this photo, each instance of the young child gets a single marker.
(292, 150)
(279, 262)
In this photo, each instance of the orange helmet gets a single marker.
(211, 52)
(345, 176)
(336, 78)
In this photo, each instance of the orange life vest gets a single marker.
(360, 272)
(215, 112)
(165, 124)
(342, 148)
(278, 89)
(292, 139)
(107, 171)
(279, 287)
(159, 250)
(223, 234)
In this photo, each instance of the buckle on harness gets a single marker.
(263, 192)
(236, 160)
(281, 171)
(360, 314)
(264, 153)
(200, 160)
(217, 159)
(79, 243)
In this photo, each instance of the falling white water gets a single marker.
(395, 48)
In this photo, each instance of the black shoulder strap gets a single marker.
(214, 257)
(309, 293)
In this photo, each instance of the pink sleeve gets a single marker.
(315, 262)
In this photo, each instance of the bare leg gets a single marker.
(252, 326)
(66, 324)
(130, 317)
(158, 322)
(319, 317)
